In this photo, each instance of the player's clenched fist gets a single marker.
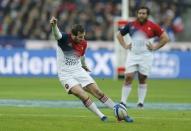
(53, 21)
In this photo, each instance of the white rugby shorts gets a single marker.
(139, 62)
(70, 79)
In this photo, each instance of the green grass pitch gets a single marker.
(14, 118)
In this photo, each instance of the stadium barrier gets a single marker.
(42, 63)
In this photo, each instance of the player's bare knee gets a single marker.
(142, 79)
(100, 94)
(128, 79)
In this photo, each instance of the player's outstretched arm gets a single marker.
(56, 31)
(84, 64)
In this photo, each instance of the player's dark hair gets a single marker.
(144, 7)
(77, 28)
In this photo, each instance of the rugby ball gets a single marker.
(120, 111)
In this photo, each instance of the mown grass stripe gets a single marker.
(85, 116)
(78, 104)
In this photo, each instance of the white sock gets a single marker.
(126, 89)
(107, 101)
(92, 106)
(142, 91)
(94, 109)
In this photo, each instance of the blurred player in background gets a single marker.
(140, 55)
(72, 69)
